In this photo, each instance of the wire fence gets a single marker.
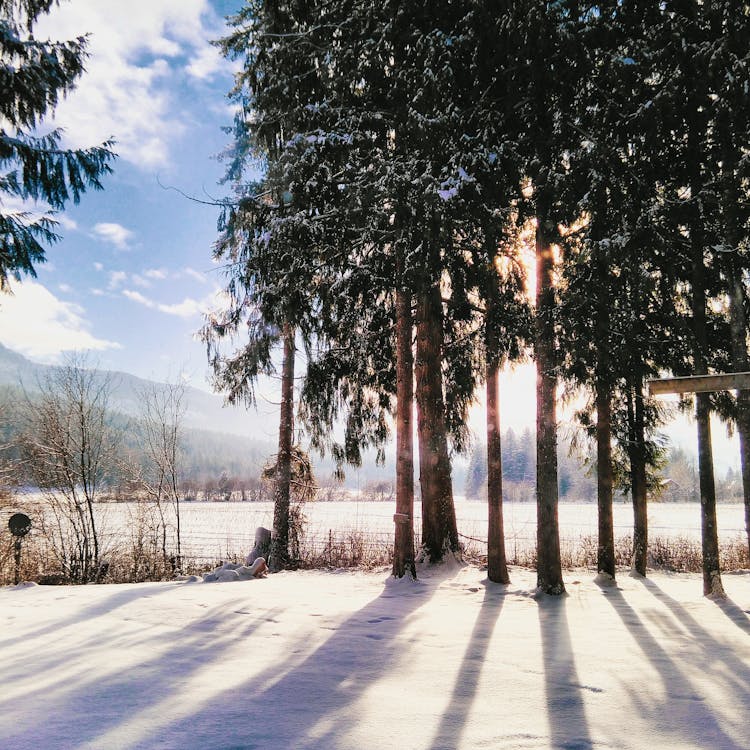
(337, 535)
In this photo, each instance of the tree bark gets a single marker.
(549, 566)
(737, 317)
(403, 548)
(606, 537)
(439, 530)
(497, 566)
(712, 585)
(638, 483)
(279, 554)
(696, 127)
(606, 543)
(740, 360)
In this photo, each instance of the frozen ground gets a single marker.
(357, 660)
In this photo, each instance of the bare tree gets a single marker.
(70, 451)
(161, 421)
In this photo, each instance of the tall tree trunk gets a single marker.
(439, 530)
(497, 566)
(696, 127)
(743, 417)
(606, 545)
(549, 565)
(738, 319)
(638, 483)
(712, 584)
(403, 548)
(606, 537)
(279, 553)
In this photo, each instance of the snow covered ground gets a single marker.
(358, 660)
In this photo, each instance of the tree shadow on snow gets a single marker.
(708, 648)
(315, 696)
(684, 713)
(735, 613)
(456, 715)
(566, 713)
(124, 594)
(82, 706)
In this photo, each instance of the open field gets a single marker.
(225, 529)
(361, 533)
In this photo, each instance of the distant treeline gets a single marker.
(577, 473)
(217, 467)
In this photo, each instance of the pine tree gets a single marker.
(548, 72)
(593, 303)
(34, 76)
(265, 237)
(729, 75)
(693, 200)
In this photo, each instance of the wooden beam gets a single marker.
(731, 381)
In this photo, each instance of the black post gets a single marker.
(17, 550)
(19, 524)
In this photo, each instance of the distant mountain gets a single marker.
(204, 411)
(210, 423)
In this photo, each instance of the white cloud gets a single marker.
(138, 297)
(156, 273)
(98, 267)
(36, 323)
(115, 234)
(116, 278)
(197, 275)
(66, 288)
(188, 308)
(66, 223)
(185, 309)
(138, 51)
(206, 63)
(140, 281)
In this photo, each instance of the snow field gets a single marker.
(358, 660)
(221, 530)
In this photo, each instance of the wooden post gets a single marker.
(731, 381)
(702, 384)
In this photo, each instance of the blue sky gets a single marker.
(133, 275)
(132, 278)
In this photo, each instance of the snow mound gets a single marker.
(236, 572)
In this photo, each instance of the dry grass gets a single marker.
(678, 554)
(131, 562)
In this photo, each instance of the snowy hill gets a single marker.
(205, 411)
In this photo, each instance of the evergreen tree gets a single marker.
(34, 76)
(476, 474)
(600, 342)
(265, 238)
(548, 71)
(691, 202)
(728, 71)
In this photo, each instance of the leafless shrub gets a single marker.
(69, 449)
(160, 427)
